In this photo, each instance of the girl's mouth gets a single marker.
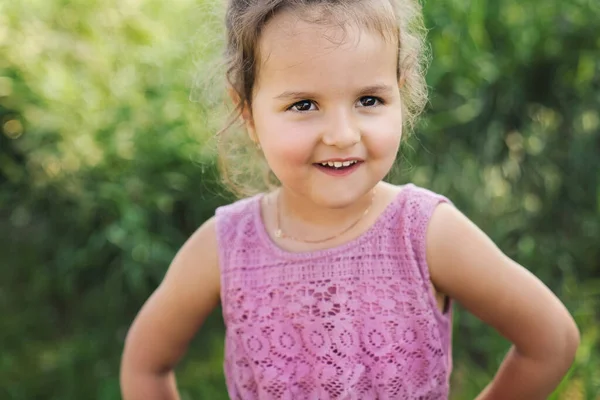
(338, 168)
(338, 164)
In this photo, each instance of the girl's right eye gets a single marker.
(302, 106)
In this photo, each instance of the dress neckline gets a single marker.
(364, 237)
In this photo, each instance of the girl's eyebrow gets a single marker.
(377, 89)
(293, 95)
(380, 89)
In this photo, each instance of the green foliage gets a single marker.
(106, 167)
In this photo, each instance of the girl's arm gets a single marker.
(468, 267)
(170, 318)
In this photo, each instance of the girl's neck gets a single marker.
(301, 218)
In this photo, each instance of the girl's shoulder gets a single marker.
(243, 205)
(238, 219)
(415, 193)
(414, 202)
(242, 211)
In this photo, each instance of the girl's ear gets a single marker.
(402, 79)
(249, 124)
(245, 113)
(233, 95)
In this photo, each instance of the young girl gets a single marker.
(336, 285)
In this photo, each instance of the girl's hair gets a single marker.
(398, 20)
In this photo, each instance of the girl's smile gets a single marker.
(338, 166)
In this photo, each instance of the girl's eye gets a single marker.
(369, 101)
(302, 106)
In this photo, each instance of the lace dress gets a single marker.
(357, 321)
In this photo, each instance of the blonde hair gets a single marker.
(243, 169)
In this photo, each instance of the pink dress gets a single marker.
(357, 321)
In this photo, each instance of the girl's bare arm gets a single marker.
(161, 332)
(467, 266)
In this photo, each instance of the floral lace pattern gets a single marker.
(354, 322)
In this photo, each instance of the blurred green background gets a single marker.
(107, 166)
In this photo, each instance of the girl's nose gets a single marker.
(341, 131)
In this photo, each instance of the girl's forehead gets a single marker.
(292, 49)
(288, 28)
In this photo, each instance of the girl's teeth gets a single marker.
(338, 164)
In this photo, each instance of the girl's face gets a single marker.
(323, 99)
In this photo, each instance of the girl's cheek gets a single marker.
(291, 150)
(381, 143)
(289, 143)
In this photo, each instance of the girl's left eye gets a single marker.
(369, 101)
(302, 106)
